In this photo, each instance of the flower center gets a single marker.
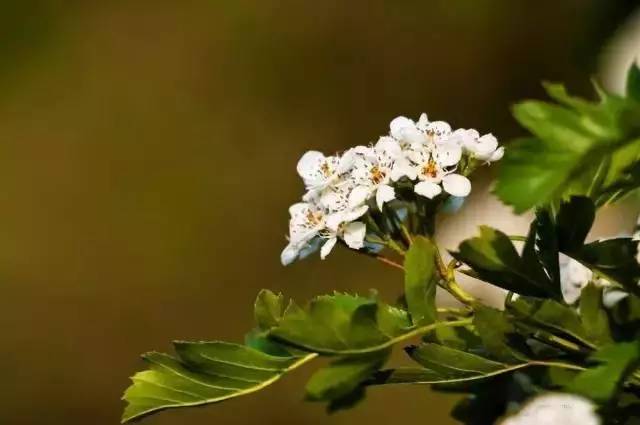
(377, 175)
(325, 169)
(430, 169)
(314, 218)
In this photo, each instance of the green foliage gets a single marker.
(420, 280)
(578, 148)
(202, 373)
(615, 363)
(494, 259)
(581, 155)
(342, 324)
(343, 378)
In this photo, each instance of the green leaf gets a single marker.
(343, 376)
(451, 362)
(203, 373)
(614, 259)
(420, 280)
(594, 317)
(553, 316)
(495, 330)
(573, 223)
(495, 260)
(633, 82)
(602, 382)
(342, 324)
(576, 149)
(268, 309)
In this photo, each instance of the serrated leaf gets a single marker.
(495, 260)
(593, 315)
(343, 376)
(420, 280)
(552, 315)
(571, 152)
(268, 309)
(495, 330)
(616, 362)
(341, 324)
(203, 373)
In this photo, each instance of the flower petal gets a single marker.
(385, 193)
(355, 214)
(359, 196)
(289, 254)
(423, 122)
(412, 135)
(298, 208)
(497, 154)
(398, 124)
(354, 234)
(327, 247)
(309, 163)
(447, 154)
(456, 185)
(427, 189)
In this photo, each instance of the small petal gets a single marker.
(448, 154)
(439, 128)
(309, 163)
(327, 247)
(385, 193)
(355, 213)
(389, 147)
(358, 196)
(345, 162)
(423, 122)
(354, 234)
(298, 208)
(289, 254)
(497, 154)
(456, 185)
(412, 135)
(427, 189)
(398, 125)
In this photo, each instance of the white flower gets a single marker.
(423, 132)
(573, 278)
(435, 165)
(481, 147)
(319, 171)
(556, 409)
(306, 221)
(376, 168)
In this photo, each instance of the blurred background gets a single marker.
(147, 160)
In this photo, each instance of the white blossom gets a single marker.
(484, 148)
(376, 168)
(435, 168)
(319, 171)
(409, 132)
(426, 156)
(556, 409)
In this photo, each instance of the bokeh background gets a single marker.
(147, 159)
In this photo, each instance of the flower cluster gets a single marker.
(428, 157)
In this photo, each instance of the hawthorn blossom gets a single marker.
(421, 156)
(435, 168)
(319, 171)
(481, 147)
(554, 409)
(409, 132)
(376, 168)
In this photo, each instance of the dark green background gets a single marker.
(147, 159)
